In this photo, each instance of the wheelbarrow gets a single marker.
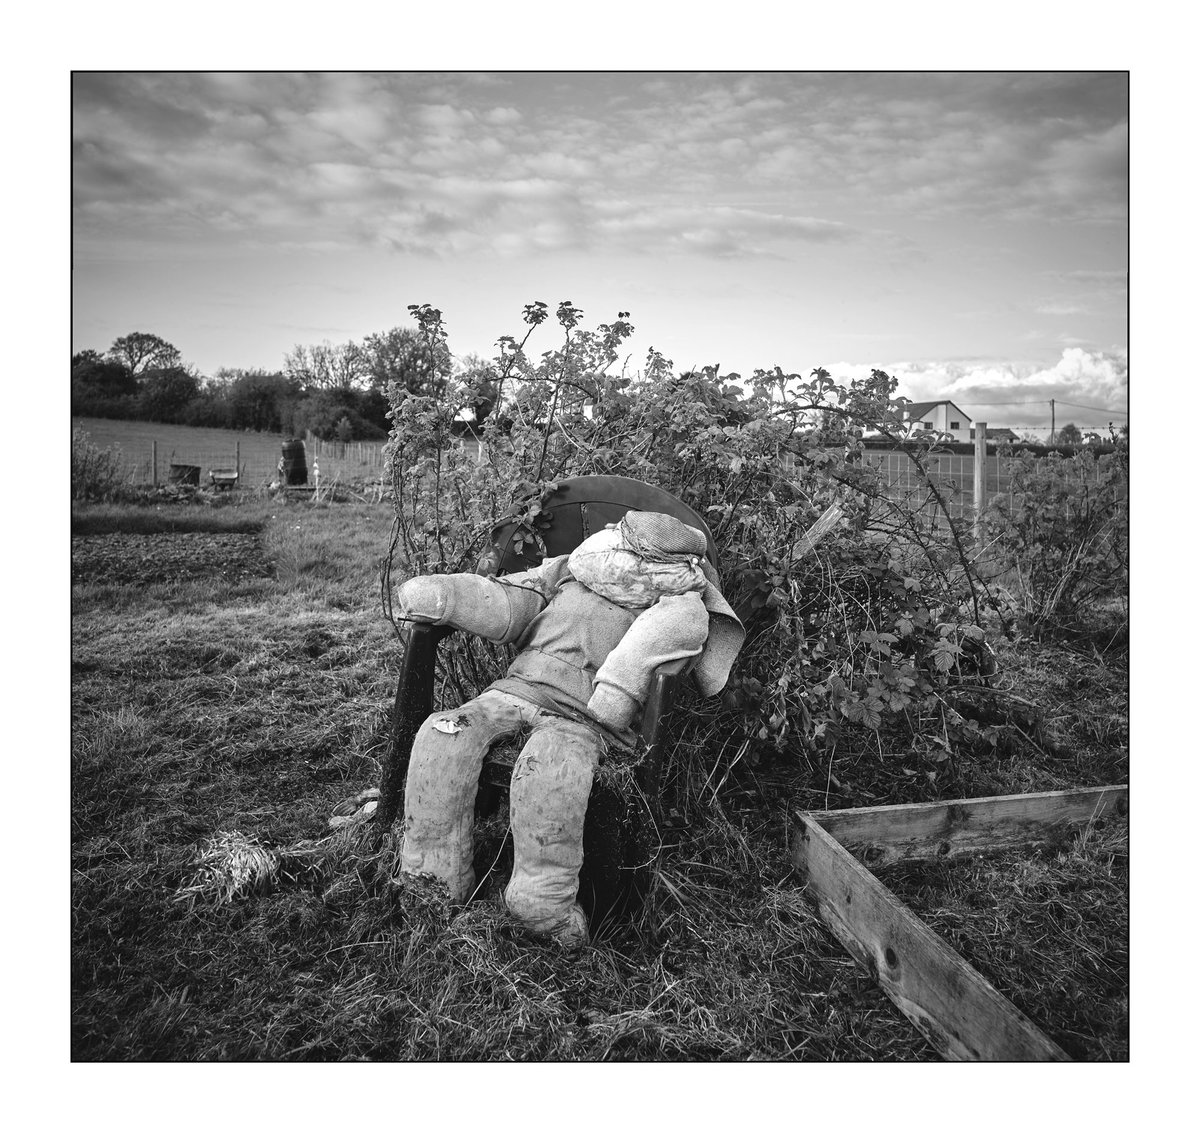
(223, 479)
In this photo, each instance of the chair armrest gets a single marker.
(414, 701)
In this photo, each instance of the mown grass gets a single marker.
(200, 707)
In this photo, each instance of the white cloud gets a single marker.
(1089, 387)
(442, 117)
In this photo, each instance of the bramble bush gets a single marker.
(857, 647)
(1064, 535)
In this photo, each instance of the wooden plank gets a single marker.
(962, 1016)
(882, 835)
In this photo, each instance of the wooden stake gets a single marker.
(980, 457)
(825, 523)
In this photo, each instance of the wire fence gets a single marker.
(952, 474)
(163, 454)
(253, 461)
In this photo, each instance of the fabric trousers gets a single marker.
(551, 782)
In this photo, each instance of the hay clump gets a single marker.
(231, 865)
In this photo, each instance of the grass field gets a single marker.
(250, 704)
(259, 453)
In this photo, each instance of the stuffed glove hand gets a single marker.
(424, 599)
(613, 707)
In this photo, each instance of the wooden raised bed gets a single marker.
(962, 1015)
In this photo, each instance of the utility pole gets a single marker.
(1052, 420)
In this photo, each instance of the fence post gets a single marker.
(980, 458)
(154, 461)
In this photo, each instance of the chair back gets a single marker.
(580, 507)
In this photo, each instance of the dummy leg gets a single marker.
(548, 801)
(443, 780)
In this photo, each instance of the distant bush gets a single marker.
(97, 475)
(322, 413)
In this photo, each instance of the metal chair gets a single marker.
(619, 836)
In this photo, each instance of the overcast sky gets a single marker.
(966, 232)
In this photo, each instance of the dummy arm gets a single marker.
(492, 608)
(438, 604)
(674, 629)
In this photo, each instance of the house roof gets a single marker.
(920, 408)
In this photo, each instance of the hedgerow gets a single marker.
(858, 647)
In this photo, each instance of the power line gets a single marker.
(1046, 401)
(1097, 408)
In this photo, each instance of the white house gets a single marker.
(944, 416)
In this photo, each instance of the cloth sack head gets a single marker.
(670, 555)
(606, 564)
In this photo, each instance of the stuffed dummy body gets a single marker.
(591, 627)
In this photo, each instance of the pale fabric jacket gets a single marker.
(578, 656)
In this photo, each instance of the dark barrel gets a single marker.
(184, 474)
(294, 464)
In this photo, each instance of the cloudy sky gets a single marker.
(966, 232)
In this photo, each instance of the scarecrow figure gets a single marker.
(592, 627)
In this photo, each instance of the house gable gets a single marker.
(944, 416)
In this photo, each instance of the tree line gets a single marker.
(338, 392)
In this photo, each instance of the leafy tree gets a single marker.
(399, 355)
(140, 352)
(1069, 434)
(481, 377)
(260, 400)
(327, 367)
(165, 393)
(97, 376)
(323, 410)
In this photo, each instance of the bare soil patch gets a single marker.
(122, 557)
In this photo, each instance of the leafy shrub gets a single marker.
(1064, 536)
(97, 474)
(859, 644)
